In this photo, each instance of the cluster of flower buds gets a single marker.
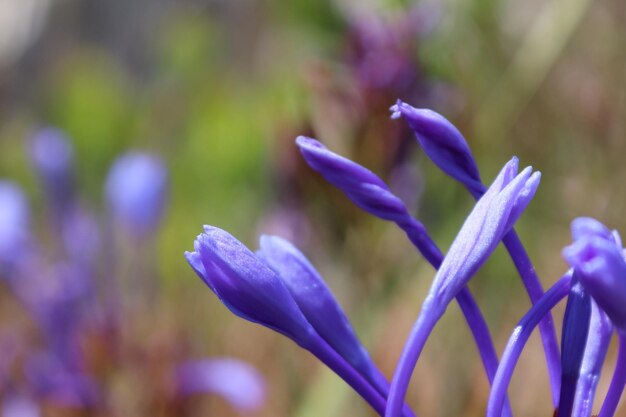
(72, 294)
(279, 288)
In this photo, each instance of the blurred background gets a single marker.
(219, 89)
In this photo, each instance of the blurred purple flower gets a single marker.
(15, 405)
(52, 381)
(53, 159)
(14, 223)
(238, 382)
(136, 190)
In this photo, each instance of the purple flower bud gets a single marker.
(238, 382)
(246, 285)
(317, 303)
(360, 184)
(368, 192)
(443, 143)
(600, 266)
(53, 158)
(252, 290)
(14, 222)
(489, 221)
(492, 217)
(136, 190)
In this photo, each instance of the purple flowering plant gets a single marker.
(279, 288)
(85, 313)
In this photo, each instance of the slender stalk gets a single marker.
(535, 292)
(322, 350)
(618, 382)
(531, 282)
(422, 328)
(470, 309)
(518, 340)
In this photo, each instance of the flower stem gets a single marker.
(470, 309)
(518, 340)
(618, 382)
(322, 350)
(422, 328)
(535, 292)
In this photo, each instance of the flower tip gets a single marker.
(396, 109)
(308, 143)
(212, 230)
(583, 226)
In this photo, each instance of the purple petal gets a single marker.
(491, 218)
(316, 302)
(238, 382)
(602, 270)
(246, 285)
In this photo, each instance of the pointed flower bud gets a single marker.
(491, 218)
(368, 192)
(443, 143)
(136, 190)
(360, 184)
(246, 285)
(601, 268)
(448, 149)
(317, 303)
(252, 290)
(236, 381)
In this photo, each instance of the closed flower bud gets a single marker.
(443, 143)
(317, 302)
(246, 285)
(136, 190)
(600, 266)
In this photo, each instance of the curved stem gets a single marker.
(600, 332)
(322, 350)
(618, 382)
(531, 282)
(471, 311)
(535, 292)
(518, 340)
(422, 328)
